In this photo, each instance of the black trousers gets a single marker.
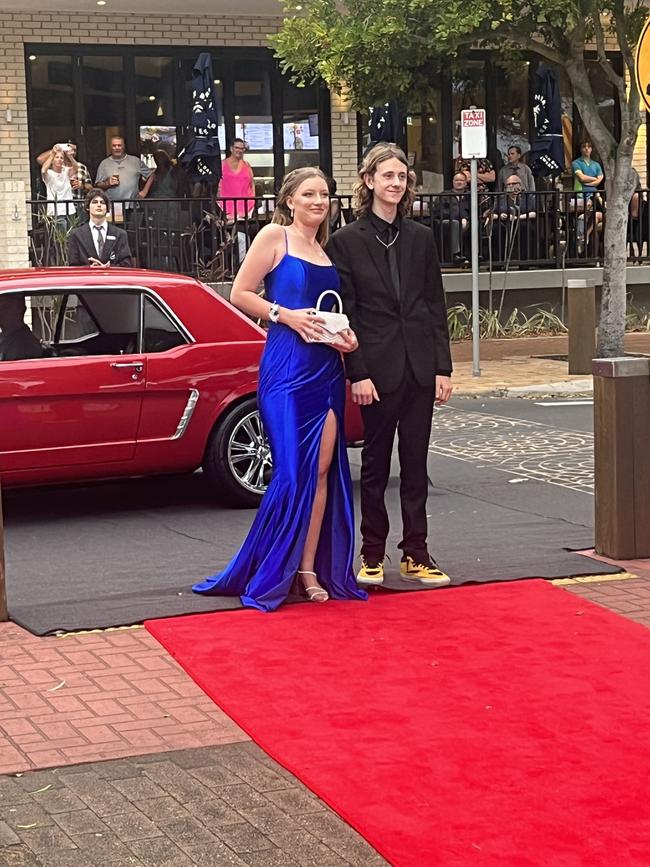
(408, 411)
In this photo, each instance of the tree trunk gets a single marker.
(611, 327)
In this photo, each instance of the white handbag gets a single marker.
(334, 322)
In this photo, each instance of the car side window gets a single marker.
(160, 332)
(19, 339)
(89, 322)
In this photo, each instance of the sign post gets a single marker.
(473, 147)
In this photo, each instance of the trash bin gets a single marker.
(622, 457)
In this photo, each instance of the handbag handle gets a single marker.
(333, 292)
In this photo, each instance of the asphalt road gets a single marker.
(511, 488)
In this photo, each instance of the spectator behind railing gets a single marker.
(167, 181)
(201, 235)
(237, 183)
(80, 177)
(452, 214)
(587, 177)
(57, 177)
(485, 172)
(120, 173)
(515, 166)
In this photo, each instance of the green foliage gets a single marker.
(49, 242)
(518, 324)
(637, 318)
(382, 49)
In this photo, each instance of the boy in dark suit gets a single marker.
(392, 292)
(98, 243)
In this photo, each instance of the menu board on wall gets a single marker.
(298, 136)
(258, 136)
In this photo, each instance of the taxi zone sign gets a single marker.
(473, 139)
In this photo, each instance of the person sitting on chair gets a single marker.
(16, 340)
(452, 213)
(97, 243)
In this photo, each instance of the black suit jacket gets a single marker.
(81, 246)
(392, 330)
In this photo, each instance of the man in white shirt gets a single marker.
(119, 174)
(98, 243)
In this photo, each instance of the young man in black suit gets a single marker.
(392, 292)
(98, 243)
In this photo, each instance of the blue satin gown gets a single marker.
(299, 384)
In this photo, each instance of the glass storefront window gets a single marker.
(512, 99)
(467, 89)
(92, 94)
(104, 105)
(254, 123)
(51, 100)
(424, 146)
(154, 106)
(300, 131)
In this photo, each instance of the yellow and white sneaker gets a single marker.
(371, 572)
(427, 574)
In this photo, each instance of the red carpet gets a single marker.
(506, 724)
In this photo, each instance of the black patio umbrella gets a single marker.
(201, 157)
(546, 158)
(384, 124)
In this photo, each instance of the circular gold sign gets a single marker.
(642, 65)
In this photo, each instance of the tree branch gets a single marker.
(520, 39)
(628, 56)
(604, 62)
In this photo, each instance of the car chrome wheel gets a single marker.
(249, 454)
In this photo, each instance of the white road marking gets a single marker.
(564, 403)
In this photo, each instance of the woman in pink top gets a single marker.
(237, 181)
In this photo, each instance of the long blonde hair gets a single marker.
(361, 192)
(282, 214)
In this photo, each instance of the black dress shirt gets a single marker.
(388, 244)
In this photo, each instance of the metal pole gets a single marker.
(4, 614)
(474, 221)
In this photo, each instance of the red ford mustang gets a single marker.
(127, 374)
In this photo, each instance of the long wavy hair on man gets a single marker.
(362, 194)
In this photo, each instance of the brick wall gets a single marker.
(17, 28)
(344, 143)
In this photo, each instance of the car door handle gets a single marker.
(135, 365)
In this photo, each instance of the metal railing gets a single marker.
(209, 239)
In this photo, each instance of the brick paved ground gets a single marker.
(100, 695)
(628, 595)
(227, 805)
(518, 362)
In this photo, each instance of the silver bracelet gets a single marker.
(274, 313)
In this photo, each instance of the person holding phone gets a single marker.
(57, 177)
(80, 179)
(98, 243)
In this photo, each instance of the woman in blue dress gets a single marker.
(304, 528)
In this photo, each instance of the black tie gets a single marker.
(100, 240)
(391, 252)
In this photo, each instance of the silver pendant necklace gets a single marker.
(389, 245)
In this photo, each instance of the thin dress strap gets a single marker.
(286, 241)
